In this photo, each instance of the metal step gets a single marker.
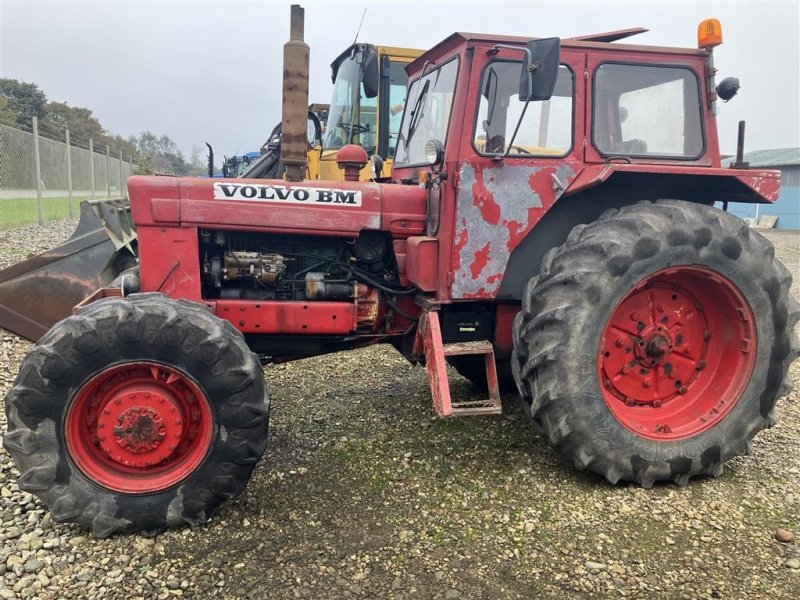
(435, 353)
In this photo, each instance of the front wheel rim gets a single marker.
(676, 353)
(139, 427)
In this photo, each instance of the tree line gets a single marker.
(153, 153)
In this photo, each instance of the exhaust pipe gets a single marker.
(210, 160)
(294, 119)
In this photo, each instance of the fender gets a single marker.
(600, 187)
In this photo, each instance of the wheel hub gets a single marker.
(657, 347)
(675, 350)
(139, 427)
(652, 355)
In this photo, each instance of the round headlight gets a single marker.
(434, 152)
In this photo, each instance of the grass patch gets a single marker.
(15, 212)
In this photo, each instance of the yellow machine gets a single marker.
(369, 93)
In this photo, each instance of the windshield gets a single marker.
(352, 118)
(427, 117)
(647, 110)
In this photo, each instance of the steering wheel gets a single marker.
(521, 150)
(356, 128)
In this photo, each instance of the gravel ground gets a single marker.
(362, 494)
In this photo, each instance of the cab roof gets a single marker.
(596, 41)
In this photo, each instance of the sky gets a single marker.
(211, 71)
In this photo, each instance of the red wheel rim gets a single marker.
(676, 353)
(138, 428)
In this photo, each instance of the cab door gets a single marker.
(504, 187)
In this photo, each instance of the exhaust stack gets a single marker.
(294, 120)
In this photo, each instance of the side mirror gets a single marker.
(539, 69)
(371, 77)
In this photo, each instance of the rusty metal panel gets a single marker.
(496, 206)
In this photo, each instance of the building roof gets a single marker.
(769, 158)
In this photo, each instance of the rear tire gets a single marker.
(656, 341)
(137, 414)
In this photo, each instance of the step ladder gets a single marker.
(435, 353)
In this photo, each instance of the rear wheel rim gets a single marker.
(139, 427)
(676, 353)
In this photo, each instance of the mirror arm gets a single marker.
(516, 129)
(494, 50)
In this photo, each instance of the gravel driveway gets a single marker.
(362, 494)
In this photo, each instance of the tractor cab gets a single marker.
(500, 128)
(604, 102)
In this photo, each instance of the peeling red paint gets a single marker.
(517, 230)
(484, 200)
(461, 241)
(481, 258)
(489, 209)
(481, 293)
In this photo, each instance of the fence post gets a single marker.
(91, 164)
(69, 173)
(121, 192)
(108, 173)
(38, 167)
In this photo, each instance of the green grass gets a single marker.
(15, 212)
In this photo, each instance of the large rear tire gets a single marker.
(656, 341)
(137, 414)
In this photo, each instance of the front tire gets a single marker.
(656, 341)
(137, 414)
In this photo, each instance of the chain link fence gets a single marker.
(66, 176)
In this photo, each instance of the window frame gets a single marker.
(524, 156)
(456, 58)
(650, 156)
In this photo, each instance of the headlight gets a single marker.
(434, 152)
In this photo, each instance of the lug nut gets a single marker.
(634, 316)
(619, 343)
(657, 403)
(646, 383)
(683, 390)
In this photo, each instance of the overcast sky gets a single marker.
(211, 71)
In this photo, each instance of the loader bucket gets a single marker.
(42, 290)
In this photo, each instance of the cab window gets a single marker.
(427, 113)
(546, 126)
(647, 110)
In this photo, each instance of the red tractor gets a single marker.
(549, 226)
